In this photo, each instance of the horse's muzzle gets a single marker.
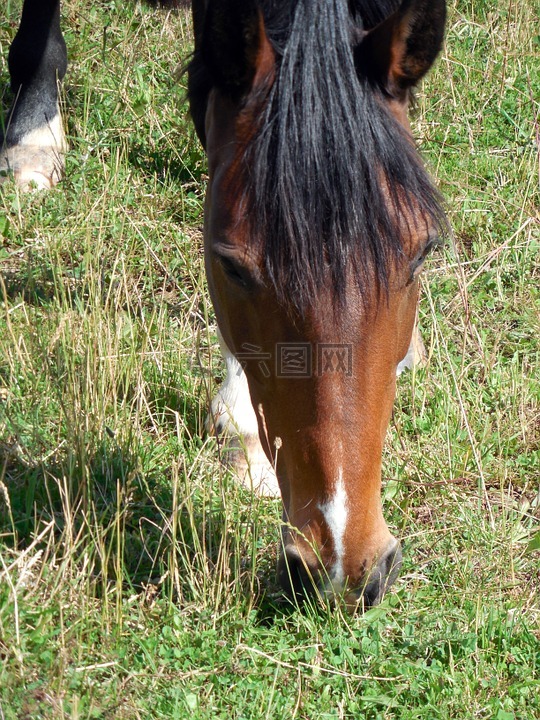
(382, 575)
(301, 575)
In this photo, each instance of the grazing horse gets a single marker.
(318, 217)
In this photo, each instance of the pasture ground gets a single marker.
(136, 579)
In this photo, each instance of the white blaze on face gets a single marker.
(335, 513)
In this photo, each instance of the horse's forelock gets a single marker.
(326, 175)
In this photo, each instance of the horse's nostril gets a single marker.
(382, 575)
(298, 573)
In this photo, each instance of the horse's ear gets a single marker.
(398, 53)
(234, 46)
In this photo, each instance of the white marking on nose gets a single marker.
(335, 513)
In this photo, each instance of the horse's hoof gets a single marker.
(242, 449)
(32, 167)
(249, 464)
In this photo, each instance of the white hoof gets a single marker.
(37, 161)
(32, 167)
(249, 464)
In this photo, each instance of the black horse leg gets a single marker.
(32, 140)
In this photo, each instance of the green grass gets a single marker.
(136, 579)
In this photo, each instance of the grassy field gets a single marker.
(136, 579)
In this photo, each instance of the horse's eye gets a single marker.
(237, 272)
(418, 261)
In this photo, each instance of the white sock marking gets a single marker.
(232, 414)
(49, 135)
(416, 354)
(231, 408)
(335, 513)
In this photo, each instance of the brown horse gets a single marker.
(318, 217)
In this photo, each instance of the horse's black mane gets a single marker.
(329, 170)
